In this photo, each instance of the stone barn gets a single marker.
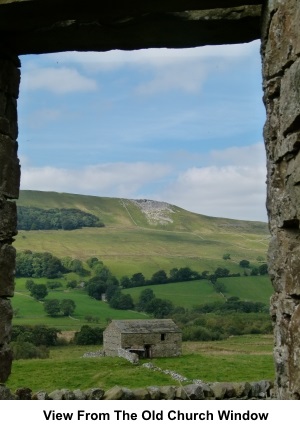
(146, 338)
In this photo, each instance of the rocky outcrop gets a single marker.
(157, 213)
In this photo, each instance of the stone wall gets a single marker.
(9, 189)
(260, 390)
(281, 74)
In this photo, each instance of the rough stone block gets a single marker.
(10, 168)
(6, 357)
(154, 392)
(3, 99)
(63, 394)
(41, 395)
(194, 392)
(6, 394)
(283, 40)
(168, 392)
(7, 270)
(292, 274)
(287, 147)
(24, 393)
(5, 321)
(94, 393)
(11, 114)
(118, 393)
(294, 346)
(8, 220)
(289, 109)
(141, 394)
(9, 78)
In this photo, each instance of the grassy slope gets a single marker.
(32, 311)
(189, 294)
(186, 294)
(129, 244)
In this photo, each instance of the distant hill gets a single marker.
(145, 235)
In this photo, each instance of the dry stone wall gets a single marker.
(260, 390)
(281, 73)
(9, 189)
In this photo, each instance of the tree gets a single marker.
(173, 274)
(125, 282)
(226, 256)
(92, 261)
(52, 307)
(77, 267)
(111, 291)
(254, 271)
(27, 350)
(89, 336)
(263, 269)
(221, 272)
(67, 307)
(244, 263)
(42, 335)
(145, 298)
(38, 334)
(52, 285)
(38, 291)
(186, 274)
(121, 301)
(159, 277)
(96, 287)
(138, 280)
(72, 284)
(161, 308)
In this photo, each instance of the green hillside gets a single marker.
(193, 293)
(144, 236)
(31, 311)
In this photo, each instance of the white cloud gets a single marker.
(57, 80)
(183, 69)
(234, 187)
(111, 179)
(236, 190)
(252, 155)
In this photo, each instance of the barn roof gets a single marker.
(146, 326)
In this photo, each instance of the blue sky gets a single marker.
(181, 126)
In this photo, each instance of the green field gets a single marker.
(242, 358)
(32, 312)
(129, 243)
(189, 294)
(184, 294)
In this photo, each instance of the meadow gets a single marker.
(184, 294)
(241, 358)
(129, 243)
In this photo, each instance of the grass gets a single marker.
(186, 294)
(189, 294)
(32, 312)
(243, 358)
(129, 244)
